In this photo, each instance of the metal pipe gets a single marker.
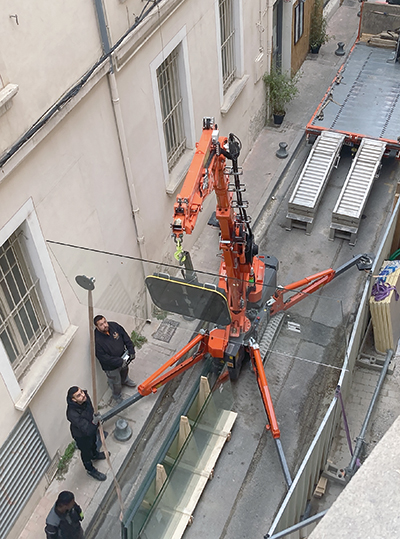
(360, 443)
(338, 394)
(268, 34)
(140, 238)
(297, 526)
(124, 404)
(363, 261)
(284, 464)
(102, 26)
(92, 351)
(269, 407)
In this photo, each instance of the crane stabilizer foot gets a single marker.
(362, 261)
(284, 464)
(365, 262)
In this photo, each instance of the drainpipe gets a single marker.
(270, 30)
(140, 238)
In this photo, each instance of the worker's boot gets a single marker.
(128, 382)
(97, 475)
(100, 455)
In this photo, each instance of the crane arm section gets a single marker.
(172, 368)
(258, 368)
(205, 175)
(313, 283)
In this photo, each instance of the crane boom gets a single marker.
(241, 271)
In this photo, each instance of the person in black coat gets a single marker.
(114, 350)
(64, 519)
(83, 430)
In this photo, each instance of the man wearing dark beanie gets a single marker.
(83, 429)
(64, 519)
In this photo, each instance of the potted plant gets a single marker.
(281, 89)
(318, 24)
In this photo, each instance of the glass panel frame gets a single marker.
(151, 512)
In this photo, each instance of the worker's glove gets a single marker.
(97, 419)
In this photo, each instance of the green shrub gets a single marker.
(159, 313)
(63, 463)
(281, 88)
(137, 339)
(318, 33)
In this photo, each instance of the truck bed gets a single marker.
(364, 98)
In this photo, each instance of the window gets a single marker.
(35, 330)
(298, 21)
(170, 77)
(171, 108)
(227, 29)
(24, 328)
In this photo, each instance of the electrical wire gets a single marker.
(146, 10)
(75, 89)
(288, 356)
(129, 257)
(167, 265)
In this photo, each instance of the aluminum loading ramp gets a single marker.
(307, 194)
(346, 216)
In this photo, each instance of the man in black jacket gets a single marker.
(114, 350)
(83, 429)
(64, 519)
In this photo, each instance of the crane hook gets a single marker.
(179, 254)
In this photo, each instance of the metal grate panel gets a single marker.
(355, 191)
(24, 328)
(347, 213)
(227, 42)
(171, 107)
(23, 461)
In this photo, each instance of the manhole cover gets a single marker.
(166, 330)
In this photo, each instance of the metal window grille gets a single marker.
(171, 108)
(227, 27)
(24, 328)
(298, 21)
(23, 461)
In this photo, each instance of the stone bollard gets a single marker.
(122, 430)
(340, 50)
(282, 152)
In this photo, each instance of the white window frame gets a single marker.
(173, 178)
(35, 247)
